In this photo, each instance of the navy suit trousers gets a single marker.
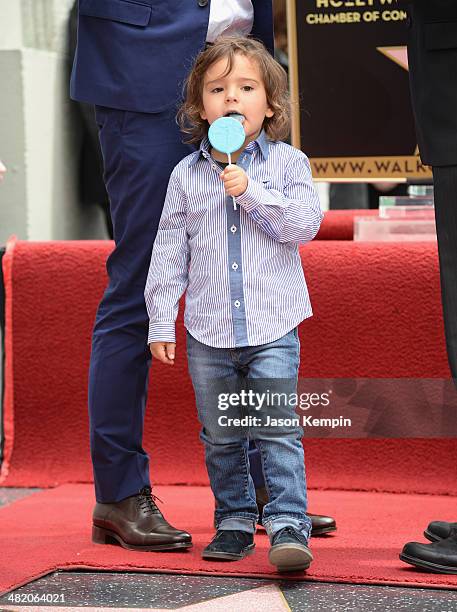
(139, 150)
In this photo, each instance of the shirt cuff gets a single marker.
(254, 195)
(161, 331)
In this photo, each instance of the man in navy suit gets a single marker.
(131, 61)
(432, 55)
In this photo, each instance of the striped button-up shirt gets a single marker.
(242, 269)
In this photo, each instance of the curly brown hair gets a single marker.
(274, 79)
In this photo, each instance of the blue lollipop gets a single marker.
(226, 135)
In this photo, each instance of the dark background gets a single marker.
(354, 101)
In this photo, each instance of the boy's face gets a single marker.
(241, 91)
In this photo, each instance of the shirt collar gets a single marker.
(261, 142)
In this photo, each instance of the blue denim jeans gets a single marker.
(226, 449)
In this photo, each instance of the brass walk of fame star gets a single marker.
(399, 55)
(268, 597)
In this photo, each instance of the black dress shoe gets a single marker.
(439, 530)
(320, 524)
(230, 545)
(289, 551)
(136, 524)
(438, 557)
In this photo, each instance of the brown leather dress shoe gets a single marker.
(320, 524)
(136, 523)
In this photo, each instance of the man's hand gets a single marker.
(235, 180)
(163, 351)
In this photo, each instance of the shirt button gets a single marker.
(234, 266)
(202, 2)
(237, 304)
(233, 229)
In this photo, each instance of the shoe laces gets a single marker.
(146, 501)
(292, 532)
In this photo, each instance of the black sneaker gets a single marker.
(230, 544)
(289, 551)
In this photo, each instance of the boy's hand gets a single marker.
(235, 180)
(164, 351)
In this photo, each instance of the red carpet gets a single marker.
(51, 530)
(378, 314)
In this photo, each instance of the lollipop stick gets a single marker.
(226, 135)
(233, 197)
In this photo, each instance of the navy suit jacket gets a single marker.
(135, 54)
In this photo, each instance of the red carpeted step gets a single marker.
(52, 530)
(377, 314)
(339, 224)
